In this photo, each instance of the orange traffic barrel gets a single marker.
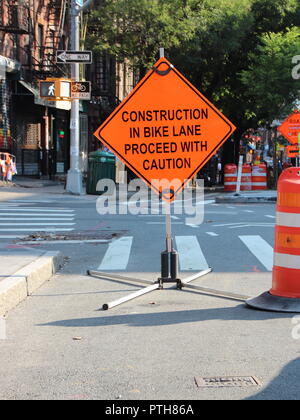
(246, 181)
(284, 295)
(230, 177)
(259, 177)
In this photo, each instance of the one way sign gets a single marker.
(63, 57)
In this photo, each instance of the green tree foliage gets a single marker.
(236, 52)
(135, 29)
(268, 81)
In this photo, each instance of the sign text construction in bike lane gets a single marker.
(165, 129)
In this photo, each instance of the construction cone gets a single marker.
(284, 295)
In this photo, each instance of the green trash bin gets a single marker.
(101, 166)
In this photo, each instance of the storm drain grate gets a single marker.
(226, 381)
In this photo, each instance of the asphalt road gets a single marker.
(60, 344)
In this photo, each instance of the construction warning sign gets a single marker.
(165, 129)
(290, 128)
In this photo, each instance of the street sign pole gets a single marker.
(169, 258)
(74, 176)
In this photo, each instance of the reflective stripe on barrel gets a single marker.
(230, 177)
(246, 181)
(259, 177)
(286, 269)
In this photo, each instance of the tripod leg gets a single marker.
(116, 277)
(196, 276)
(131, 296)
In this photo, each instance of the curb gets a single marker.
(239, 199)
(24, 282)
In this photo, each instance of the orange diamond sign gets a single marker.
(290, 128)
(165, 130)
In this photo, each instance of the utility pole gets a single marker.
(74, 176)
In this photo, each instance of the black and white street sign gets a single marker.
(65, 57)
(81, 90)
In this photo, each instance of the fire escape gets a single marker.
(35, 44)
(14, 17)
(54, 39)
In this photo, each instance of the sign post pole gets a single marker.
(169, 258)
(74, 176)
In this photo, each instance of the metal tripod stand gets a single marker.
(169, 271)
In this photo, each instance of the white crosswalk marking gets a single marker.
(31, 219)
(117, 254)
(190, 254)
(37, 209)
(260, 249)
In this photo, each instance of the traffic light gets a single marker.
(47, 89)
(55, 89)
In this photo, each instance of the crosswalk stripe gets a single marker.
(190, 254)
(29, 218)
(37, 224)
(37, 210)
(260, 249)
(12, 236)
(117, 254)
(29, 201)
(38, 214)
(34, 230)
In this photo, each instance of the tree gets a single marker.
(214, 43)
(268, 81)
(135, 30)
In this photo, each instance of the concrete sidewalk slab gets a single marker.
(25, 281)
(266, 196)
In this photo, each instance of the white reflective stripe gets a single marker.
(287, 261)
(229, 183)
(259, 184)
(288, 219)
(230, 175)
(246, 183)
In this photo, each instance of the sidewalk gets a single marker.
(22, 274)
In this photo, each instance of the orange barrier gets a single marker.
(230, 177)
(259, 177)
(246, 181)
(284, 295)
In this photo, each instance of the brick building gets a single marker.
(34, 130)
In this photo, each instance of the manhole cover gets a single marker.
(226, 381)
